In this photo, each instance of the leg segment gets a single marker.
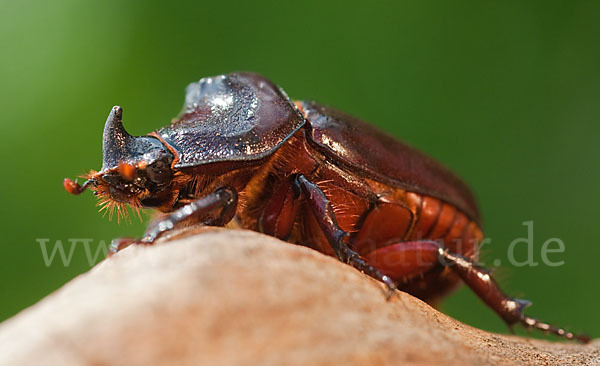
(224, 199)
(119, 244)
(510, 309)
(407, 259)
(278, 216)
(403, 261)
(321, 208)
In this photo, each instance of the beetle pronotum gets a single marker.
(242, 150)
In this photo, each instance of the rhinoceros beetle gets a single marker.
(242, 150)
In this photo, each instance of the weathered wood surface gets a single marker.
(229, 297)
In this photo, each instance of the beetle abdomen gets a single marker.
(391, 234)
(437, 220)
(411, 216)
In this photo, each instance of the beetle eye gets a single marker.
(111, 178)
(158, 172)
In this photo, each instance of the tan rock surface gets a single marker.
(226, 297)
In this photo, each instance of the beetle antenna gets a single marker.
(74, 187)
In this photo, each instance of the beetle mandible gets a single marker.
(302, 172)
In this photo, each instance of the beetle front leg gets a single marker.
(321, 208)
(119, 244)
(224, 199)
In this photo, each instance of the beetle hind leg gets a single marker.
(411, 258)
(548, 328)
(511, 310)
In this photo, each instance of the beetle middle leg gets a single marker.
(223, 202)
(321, 208)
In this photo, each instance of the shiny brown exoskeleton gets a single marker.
(308, 174)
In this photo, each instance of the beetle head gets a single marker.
(134, 168)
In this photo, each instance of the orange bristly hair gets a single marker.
(109, 205)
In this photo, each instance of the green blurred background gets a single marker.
(505, 93)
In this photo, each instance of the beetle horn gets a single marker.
(116, 141)
(118, 146)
